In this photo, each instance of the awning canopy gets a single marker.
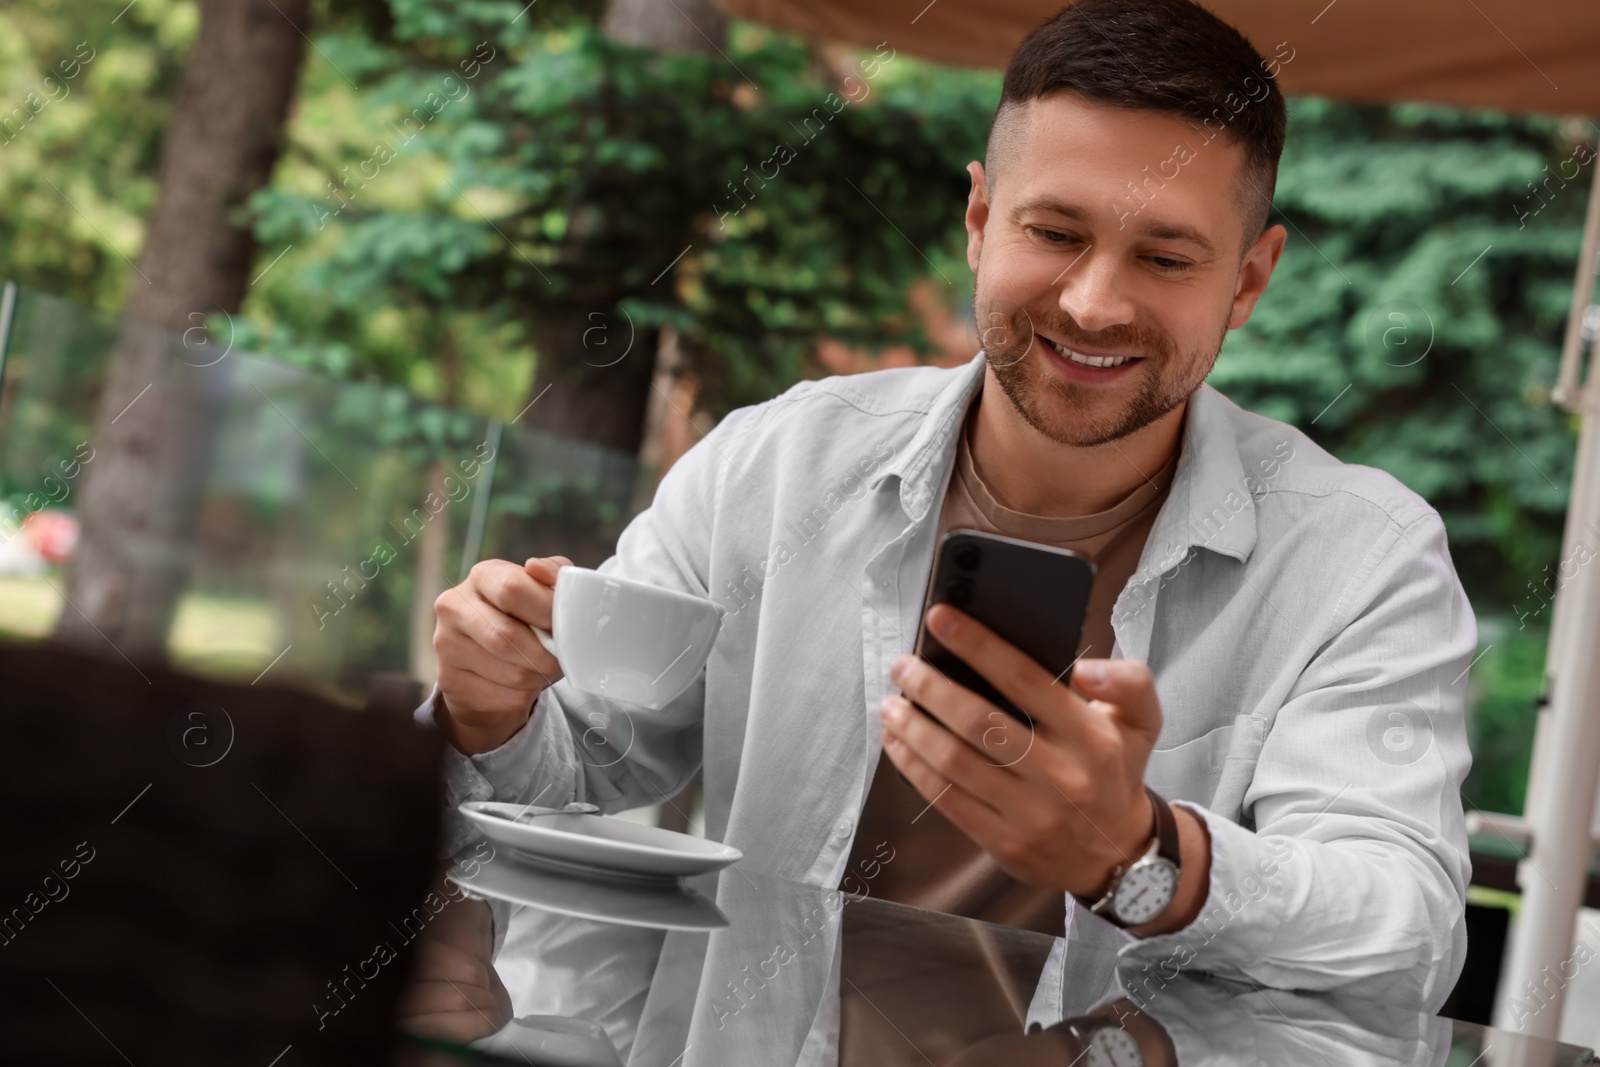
(1514, 55)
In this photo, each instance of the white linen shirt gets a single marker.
(1307, 632)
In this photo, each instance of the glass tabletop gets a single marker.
(738, 968)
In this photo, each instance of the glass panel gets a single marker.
(555, 496)
(296, 527)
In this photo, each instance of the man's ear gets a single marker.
(1254, 273)
(977, 213)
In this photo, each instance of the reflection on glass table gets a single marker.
(801, 974)
(665, 907)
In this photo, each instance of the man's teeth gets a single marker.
(1089, 361)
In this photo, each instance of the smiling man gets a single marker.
(1254, 767)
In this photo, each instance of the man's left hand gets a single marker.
(1062, 805)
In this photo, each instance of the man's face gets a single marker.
(1075, 266)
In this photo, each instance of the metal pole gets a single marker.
(8, 316)
(473, 546)
(1562, 782)
(8, 313)
(1566, 393)
(1555, 874)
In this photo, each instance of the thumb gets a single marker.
(543, 568)
(1125, 684)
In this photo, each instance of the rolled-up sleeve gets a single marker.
(1351, 864)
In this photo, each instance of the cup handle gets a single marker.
(547, 639)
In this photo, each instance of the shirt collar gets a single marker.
(921, 464)
(1209, 504)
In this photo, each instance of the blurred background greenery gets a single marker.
(476, 200)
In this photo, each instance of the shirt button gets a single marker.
(843, 828)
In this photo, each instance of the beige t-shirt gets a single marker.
(935, 865)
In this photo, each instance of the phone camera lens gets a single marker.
(958, 593)
(966, 557)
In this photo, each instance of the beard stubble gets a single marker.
(1165, 381)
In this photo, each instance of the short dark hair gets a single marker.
(1171, 56)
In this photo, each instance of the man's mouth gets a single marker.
(1087, 361)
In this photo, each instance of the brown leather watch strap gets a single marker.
(1166, 827)
(1166, 837)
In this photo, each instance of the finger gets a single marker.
(440, 960)
(448, 1010)
(953, 704)
(457, 648)
(463, 925)
(1008, 669)
(512, 590)
(986, 728)
(980, 822)
(501, 635)
(949, 757)
(1126, 688)
(543, 568)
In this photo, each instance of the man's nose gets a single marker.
(1094, 292)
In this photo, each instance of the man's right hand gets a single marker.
(491, 666)
(454, 992)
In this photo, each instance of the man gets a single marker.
(1276, 642)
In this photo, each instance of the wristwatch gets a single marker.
(1104, 1041)
(1141, 890)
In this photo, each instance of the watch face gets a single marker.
(1113, 1047)
(1145, 892)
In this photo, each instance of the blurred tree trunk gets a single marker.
(164, 392)
(595, 393)
(590, 398)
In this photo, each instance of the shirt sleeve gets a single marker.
(468, 778)
(537, 753)
(579, 747)
(1351, 864)
(1211, 1026)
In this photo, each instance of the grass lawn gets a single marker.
(229, 636)
(29, 607)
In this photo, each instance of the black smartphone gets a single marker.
(1032, 596)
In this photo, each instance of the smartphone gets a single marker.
(1032, 596)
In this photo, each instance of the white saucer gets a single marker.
(599, 846)
(665, 906)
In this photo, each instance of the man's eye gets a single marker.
(1053, 236)
(1167, 263)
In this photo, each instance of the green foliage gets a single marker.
(53, 376)
(83, 101)
(1410, 282)
(1506, 683)
(567, 171)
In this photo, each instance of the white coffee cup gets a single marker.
(628, 640)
